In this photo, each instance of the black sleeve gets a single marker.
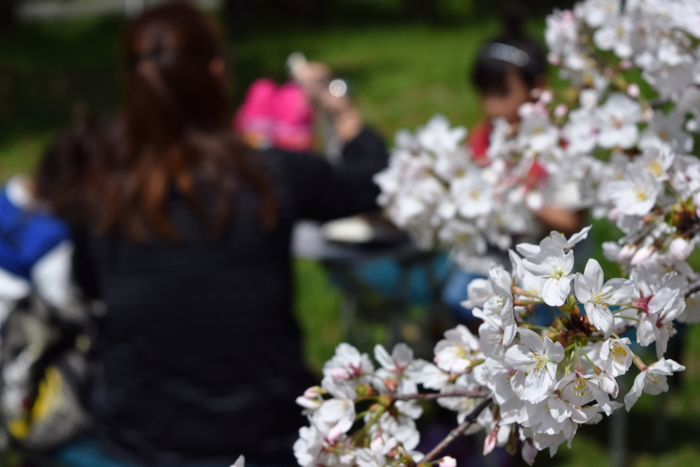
(322, 191)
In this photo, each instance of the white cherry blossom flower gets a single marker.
(616, 35)
(473, 195)
(619, 117)
(399, 367)
(555, 268)
(597, 297)
(652, 380)
(501, 302)
(536, 360)
(616, 356)
(637, 193)
(657, 323)
(458, 352)
(596, 12)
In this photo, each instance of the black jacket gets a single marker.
(199, 350)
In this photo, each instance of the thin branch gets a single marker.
(438, 395)
(692, 291)
(457, 432)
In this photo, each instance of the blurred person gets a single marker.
(185, 232)
(276, 116)
(504, 82)
(41, 310)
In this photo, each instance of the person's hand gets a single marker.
(315, 78)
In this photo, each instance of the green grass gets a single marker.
(401, 73)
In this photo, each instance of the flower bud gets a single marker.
(560, 110)
(490, 441)
(633, 90)
(313, 392)
(546, 96)
(642, 255)
(340, 374)
(448, 461)
(680, 248)
(308, 403)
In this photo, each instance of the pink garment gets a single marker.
(278, 116)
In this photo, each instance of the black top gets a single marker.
(200, 351)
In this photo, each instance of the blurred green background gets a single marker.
(406, 60)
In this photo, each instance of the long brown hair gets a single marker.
(174, 131)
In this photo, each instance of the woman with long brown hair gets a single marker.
(186, 234)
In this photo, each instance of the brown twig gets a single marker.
(692, 291)
(457, 432)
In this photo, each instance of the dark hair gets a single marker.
(173, 135)
(61, 177)
(490, 69)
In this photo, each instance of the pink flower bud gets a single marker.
(546, 96)
(642, 255)
(448, 461)
(311, 404)
(490, 441)
(680, 248)
(626, 64)
(633, 90)
(553, 59)
(560, 110)
(340, 374)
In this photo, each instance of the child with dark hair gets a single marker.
(508, 68)
(509, 71)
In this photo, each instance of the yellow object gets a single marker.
(49, 394)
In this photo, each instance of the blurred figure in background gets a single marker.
(41, 310)
(187, 233)
(276, 116)
(508, 71)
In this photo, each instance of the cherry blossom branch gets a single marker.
(692, 291)
(437, 395)
(457, 432)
